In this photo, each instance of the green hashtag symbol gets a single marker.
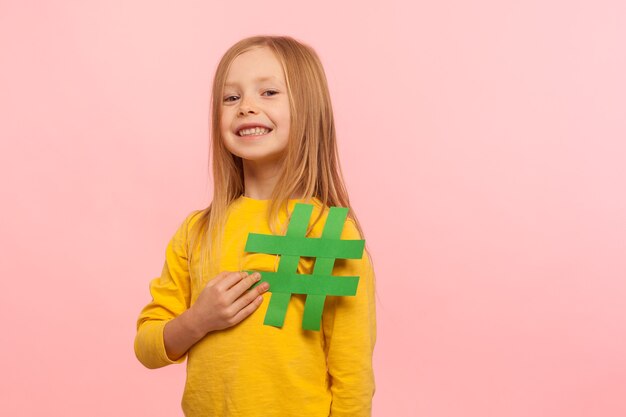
(321, 282)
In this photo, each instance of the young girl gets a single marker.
(273, 145)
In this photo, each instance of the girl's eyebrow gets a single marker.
(258, 79)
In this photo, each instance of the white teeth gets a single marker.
(253, 131)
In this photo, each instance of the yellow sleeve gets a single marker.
(170, 297)
(349, 325)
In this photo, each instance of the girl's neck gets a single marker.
(259, 188)
(256, 195)
(260, 181)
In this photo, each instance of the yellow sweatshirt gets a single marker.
(252, 369)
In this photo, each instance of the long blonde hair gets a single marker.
(311, 167)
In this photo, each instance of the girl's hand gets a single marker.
(226, 300)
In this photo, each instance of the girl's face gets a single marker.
(255, 107)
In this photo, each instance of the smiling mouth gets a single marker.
(253, 132)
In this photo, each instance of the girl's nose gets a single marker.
(246, 107)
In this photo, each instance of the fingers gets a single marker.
(250, 308)
(227, 279)
(244, 301)
(249, 297)
(245, 283)
(234, 284)
(228, 299)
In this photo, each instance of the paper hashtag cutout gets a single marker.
(321, 282)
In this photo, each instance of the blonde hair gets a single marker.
(311, 167)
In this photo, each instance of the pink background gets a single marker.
(483, 146)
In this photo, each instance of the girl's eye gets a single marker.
(230, 99)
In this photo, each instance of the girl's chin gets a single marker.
(263, 159)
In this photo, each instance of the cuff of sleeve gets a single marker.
(150, 347)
